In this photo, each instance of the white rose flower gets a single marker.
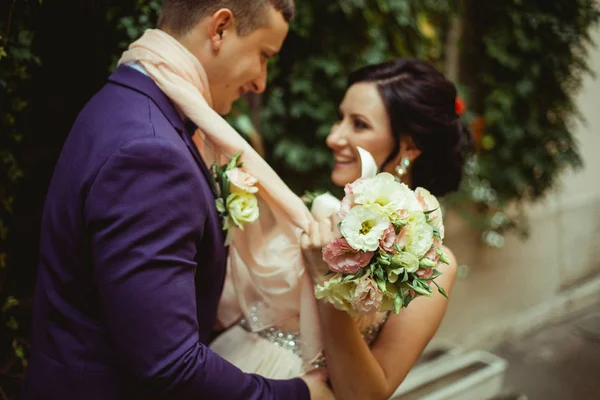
(419, 234)
(336, 292)
(241, 181)
(405, 260)
(429, 202)
(363, 227)
(242, 207)
(386, 193)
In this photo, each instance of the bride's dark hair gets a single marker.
(421, 103)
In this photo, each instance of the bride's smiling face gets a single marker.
(362, 121)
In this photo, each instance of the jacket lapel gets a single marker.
(187, 138)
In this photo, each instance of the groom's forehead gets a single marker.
(273, 32)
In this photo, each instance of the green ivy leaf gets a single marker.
(12, 323)
(10, 303)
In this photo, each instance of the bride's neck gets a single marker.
(407, 180)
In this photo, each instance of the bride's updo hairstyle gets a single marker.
(421, 103)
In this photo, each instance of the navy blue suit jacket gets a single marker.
(133, 262)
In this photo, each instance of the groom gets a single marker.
(132, 250)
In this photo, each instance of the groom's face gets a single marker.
(239, 62)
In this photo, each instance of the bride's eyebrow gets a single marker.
(361, 117)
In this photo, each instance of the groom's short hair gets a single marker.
(181, 15)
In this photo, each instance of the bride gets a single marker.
(403, 113)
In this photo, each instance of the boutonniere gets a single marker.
(236, 194)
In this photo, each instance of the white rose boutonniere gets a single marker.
(236, 194)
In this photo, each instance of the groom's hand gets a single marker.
(316, 382)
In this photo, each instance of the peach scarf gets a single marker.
(266, 266)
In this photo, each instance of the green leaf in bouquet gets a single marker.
(394, 274)
(408, 299)
(427, 213)
(443, 257)
(391, 289)
(406, 260)
(423, 284)
(405, 278)
(441, 290)
(372, 268)
(361, 272)
(398, 303)
(426, 263)
(398, 225)
(436, 274)
(384, 258)
(418, 288)
(437, 233)
(381, 284)
(380, 273)
(397, 248)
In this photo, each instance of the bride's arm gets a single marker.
(359, 372)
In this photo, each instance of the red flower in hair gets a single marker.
(460, 106)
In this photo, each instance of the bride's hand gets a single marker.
(318, 236)
(317, 386)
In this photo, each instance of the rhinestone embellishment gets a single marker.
(291, 341)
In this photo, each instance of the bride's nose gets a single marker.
(337, 137)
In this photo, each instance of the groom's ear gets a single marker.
(222, 25)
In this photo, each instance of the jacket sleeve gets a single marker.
(145, 212)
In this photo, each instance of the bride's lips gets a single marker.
(343, 162)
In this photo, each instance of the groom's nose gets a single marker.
(260, 84)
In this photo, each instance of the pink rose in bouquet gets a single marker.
(348, 200)
(388, 239)
(367, 296)
(241, 180)
(342, 258)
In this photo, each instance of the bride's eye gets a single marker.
(360, 125)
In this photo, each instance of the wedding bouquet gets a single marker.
(389, 250)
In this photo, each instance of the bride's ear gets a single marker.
(408, 149)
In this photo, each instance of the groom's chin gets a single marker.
(222, 108)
